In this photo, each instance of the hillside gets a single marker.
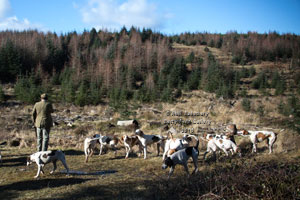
(263, 112)
(135, 177)
(255, 95)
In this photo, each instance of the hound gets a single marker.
(148, 140)
(110, 141)
(259, 136)
(129, 142)
(42, 158)
(181, 157)
(173, 145)
(223, 144)
(90, 145)
(207, 137)
(189, 137)
(231, 130)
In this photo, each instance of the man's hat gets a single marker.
(44, 96)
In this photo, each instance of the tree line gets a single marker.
(134, 64)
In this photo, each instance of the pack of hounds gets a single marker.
(176, 150)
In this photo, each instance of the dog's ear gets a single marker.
(45, 155)
(169, 162)
(139, 132)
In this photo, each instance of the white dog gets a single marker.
(148, 140)
(90, 145)
(181, 157)
(259, 136)
(42, 158)
(223, 144)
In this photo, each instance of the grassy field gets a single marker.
(263, 176)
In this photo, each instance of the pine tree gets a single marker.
(212, 78)
(261, 82)
(10, 62)
(166, 95)
(194, 79)
(220, 42)
(29, 88)
(178, 73)
(68, 91)
(95, 93)
(81, 98)
(278, 83)
(191, 57)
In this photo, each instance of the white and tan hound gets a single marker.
(147, 140)
(259, 136)
(129, 142)
(223, 144)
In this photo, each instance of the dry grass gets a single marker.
(136, 178)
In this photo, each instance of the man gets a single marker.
(42, 120)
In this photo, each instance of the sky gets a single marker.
(165, 16)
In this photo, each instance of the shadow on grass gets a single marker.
(147, 189)
(8, 191)
(13, 162)
(117, 158)
(72, 152)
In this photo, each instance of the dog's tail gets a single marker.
(276, 133)
(118, 140)
(123, 138)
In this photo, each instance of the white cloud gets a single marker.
(11, 22)
(4, 8)
(112, 14)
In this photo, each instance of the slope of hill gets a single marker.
(257, 102)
